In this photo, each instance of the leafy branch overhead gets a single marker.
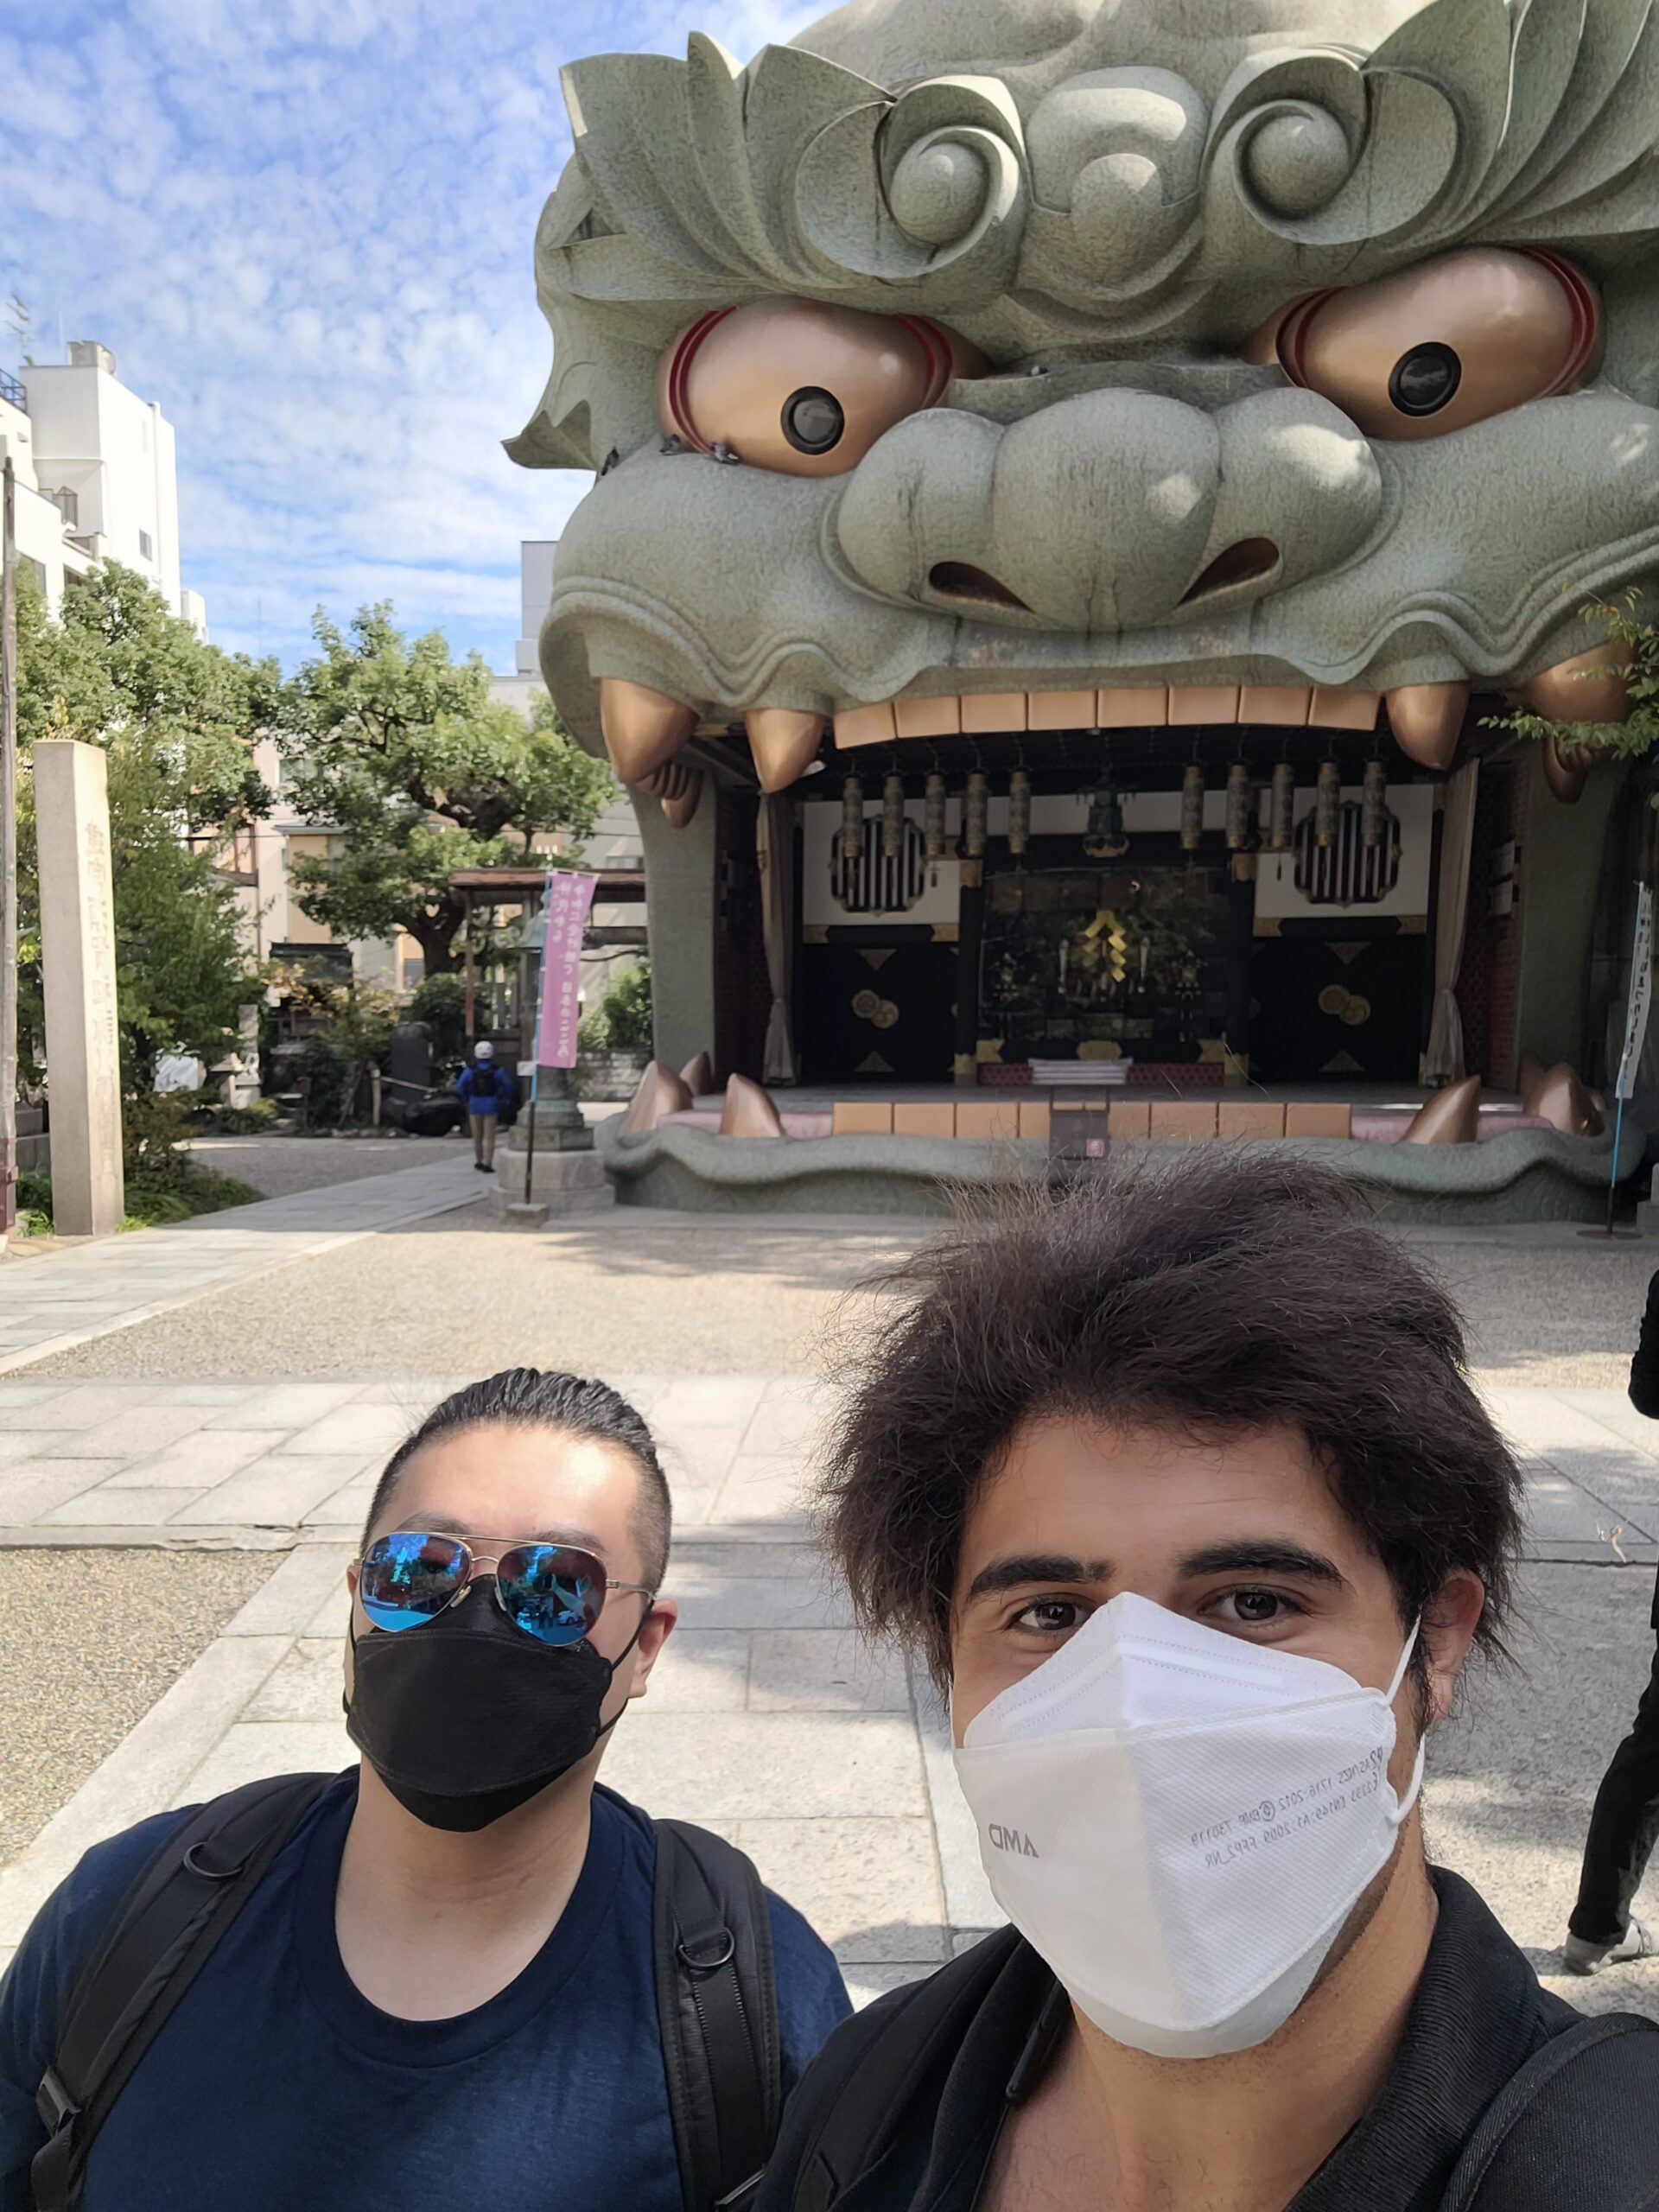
(1632, 738)
(400, 753)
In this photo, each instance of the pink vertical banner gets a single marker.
(569, 898)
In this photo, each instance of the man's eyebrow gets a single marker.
(1019, 1568)
(1263, 1555)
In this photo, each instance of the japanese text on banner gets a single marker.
(1636, 1025)
(569, 898)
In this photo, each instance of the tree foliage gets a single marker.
(175, 717)
(402, 751)
(1637, 736)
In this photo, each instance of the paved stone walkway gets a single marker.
(54, 1301)
(768, 1717)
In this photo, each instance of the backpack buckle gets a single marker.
(58, 2109)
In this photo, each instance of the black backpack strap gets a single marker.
(857, 2102)
(717, 2004)
(1574, 2127)
(160, 1937)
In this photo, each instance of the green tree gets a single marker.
(175, 717)
(1634, 738)
(402, 751)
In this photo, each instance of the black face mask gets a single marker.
(467, 1718)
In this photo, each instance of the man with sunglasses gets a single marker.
(461, 1972)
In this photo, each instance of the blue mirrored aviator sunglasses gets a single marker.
(553, 1592)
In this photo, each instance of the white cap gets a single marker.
(484, 1050)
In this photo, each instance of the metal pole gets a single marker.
(7, 851)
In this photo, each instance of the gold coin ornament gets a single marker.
(866, 1004)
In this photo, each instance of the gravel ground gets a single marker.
(278, 1166)
(1559, 1313)
(667, 1293)
(88, 1642)
(695, 1294)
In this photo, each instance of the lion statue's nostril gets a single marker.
(1245, 562)
(961, 579)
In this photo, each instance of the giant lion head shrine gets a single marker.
(1082, 494)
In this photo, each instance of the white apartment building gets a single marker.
(97, 475)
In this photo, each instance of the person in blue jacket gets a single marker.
(485, 1089)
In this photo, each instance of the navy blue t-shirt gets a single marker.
(276, 2084)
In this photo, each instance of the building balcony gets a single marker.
(12, 391)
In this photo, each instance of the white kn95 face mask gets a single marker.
(1180, 1821)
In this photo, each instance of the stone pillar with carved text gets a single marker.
(83, 1051)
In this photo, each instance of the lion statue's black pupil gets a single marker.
(1424, 379)
(813, 420)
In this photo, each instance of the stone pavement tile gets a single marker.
(143, 1774)
(133, 1433)
(716, 1596)
(641, 1391)
(1613, 1410)
(771, 1487)
(789, 1420)
(749, 1766)
(346, 1509)
(332, 1614)
(288, 1406)
(699, 1456)
(968, 1902)
(709, 1401)
(35, 1488)
(206, 1394)
(251, 1749)
(17, 1444)
(1559, 1507)
(307, 1685)
(823, 1670)
(692, 1503)
(1626, 1482)
(288, 1602)
(83, 1405)
(701, 1671)
(200, 1459)
(109, 1508)
(276, 1491)
(870, 1887)
(14, 1396)
(866, 1983)
(363, 1429)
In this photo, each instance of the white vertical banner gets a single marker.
(1635, 1021)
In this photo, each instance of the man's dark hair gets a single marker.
(572, 1405)
(1230, 1292)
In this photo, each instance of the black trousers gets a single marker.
(1624, 1828)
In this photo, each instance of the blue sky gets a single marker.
(304, 226)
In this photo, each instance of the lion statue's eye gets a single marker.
(1443, 344)
(807, 389)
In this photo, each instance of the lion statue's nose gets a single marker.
(1111, 510)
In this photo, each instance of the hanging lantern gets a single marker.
(1281, 811)
(934, 818)
(976, 817)
(1373, 806)
(1019, 810)
(1327, 805)
(1240, 809)
(1191, 807)
(1105, 837)
(852, 822)
(892, 817)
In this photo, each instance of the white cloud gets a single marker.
(304, 226)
